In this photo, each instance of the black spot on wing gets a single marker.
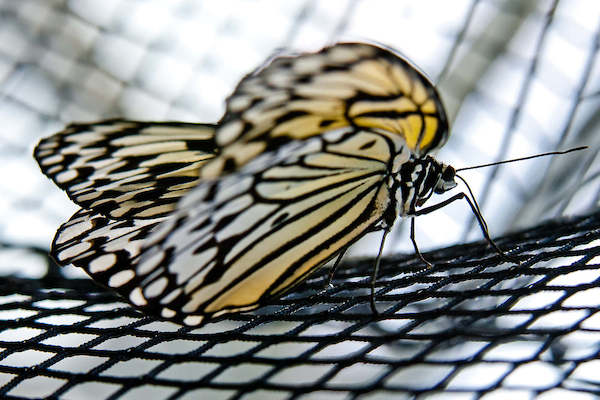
(367, 145)
(282, 217)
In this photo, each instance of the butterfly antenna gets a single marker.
(523, 158)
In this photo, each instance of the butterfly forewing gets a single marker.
(348, 84)
(127, 169)
(252, 235)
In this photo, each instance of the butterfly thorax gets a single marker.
(417, 180)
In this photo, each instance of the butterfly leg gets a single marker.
(414, 242)
(376, 270)
(335, 265)
(478, 216)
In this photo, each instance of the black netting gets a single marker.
(517, 77)
(473, 324)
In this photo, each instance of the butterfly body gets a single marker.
(313, 152)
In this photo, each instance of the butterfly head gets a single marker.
(446, 180)
(437, 178)
(418, 179)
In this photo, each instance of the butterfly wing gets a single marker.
(235, 242)
(238, 241)
(104, 248)
(347, 84)
(127, 169)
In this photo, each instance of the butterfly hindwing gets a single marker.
(127, 169)
(104, 248)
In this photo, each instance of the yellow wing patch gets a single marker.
(347, 84)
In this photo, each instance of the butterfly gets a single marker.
(192, 221)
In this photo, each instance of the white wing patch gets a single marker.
(104, 248)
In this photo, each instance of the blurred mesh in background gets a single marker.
(517, 77)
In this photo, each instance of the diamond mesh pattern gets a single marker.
(473, 324)
(517, 77)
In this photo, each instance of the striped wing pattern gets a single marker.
(235, 242)
(105, 248)
(348, 84)
(127, 169)
(253, 235)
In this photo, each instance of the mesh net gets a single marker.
(473, 324)
(517, 77)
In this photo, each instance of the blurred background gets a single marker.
(518, 78)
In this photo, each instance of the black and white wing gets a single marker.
(127, 169)
(236, 242)
(100, 245)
